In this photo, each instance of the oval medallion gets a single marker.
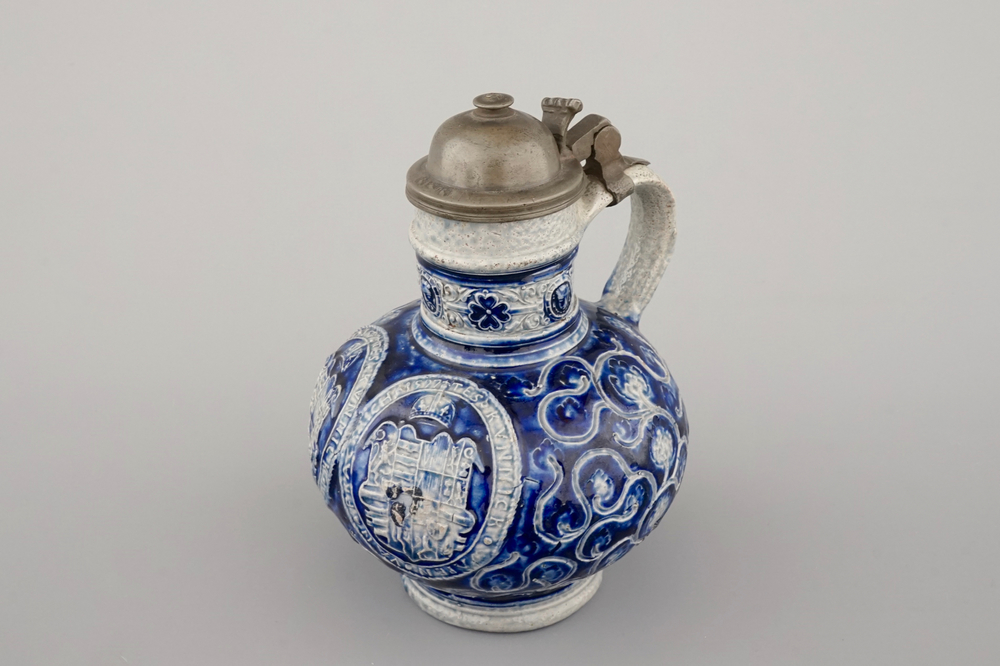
(342, 383)
(430, 475)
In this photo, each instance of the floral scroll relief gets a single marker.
(619, 382)
(540, 574)
(613, 506)
(607, 517)
(507, 310)
(340, 387)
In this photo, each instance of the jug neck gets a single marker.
(505, 248)
(499, 311)
(501, 294)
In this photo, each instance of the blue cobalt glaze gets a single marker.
(491, 484)
(499, 441)
(487, 312)
(498, 311)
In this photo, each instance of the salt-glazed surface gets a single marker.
(500, 441)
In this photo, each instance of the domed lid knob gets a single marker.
(493, 101)
(496, 164)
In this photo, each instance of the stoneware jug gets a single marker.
(499, 442)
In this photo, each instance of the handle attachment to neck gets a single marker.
(650, 242)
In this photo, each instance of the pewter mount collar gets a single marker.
(497, 164)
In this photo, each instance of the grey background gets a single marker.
(200, 201)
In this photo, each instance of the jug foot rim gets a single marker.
(508, 617)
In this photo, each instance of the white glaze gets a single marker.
(511, 618)
(508, 247)
(505, 247)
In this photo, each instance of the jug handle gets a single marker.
(648, 246)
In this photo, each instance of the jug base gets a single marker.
(505, 617)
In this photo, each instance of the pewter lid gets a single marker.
(497, 164)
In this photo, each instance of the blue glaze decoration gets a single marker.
(506, 310)
(499, 441)
(431, 294)
(559, 302)
(499, 484)
(487, 312)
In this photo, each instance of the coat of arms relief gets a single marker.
(417, 489)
